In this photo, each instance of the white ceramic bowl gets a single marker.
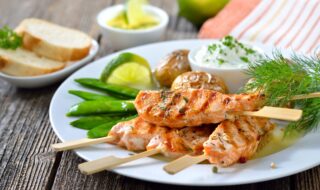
(47, 79)
(121, 38)
(233, 77)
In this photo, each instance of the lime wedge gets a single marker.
(120, 21)
(128, 69)
(137, 17)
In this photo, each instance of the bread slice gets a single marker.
(53, 41)
(22, 62)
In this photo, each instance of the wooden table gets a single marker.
(26, 161)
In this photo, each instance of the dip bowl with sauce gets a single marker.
(226, 58)
(120, 38)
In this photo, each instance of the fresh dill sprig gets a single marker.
(310, 117)
(9, 39)
(280, 79)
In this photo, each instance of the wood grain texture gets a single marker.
(25, 135)
(26, 162)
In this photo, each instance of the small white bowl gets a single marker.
(121, 38)
(235, 78)
(47, 79)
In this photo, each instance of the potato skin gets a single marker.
(172, 66)
(199, 80)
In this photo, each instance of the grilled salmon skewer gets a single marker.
(231, 142)
(192, 107)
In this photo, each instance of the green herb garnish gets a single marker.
(244, 59)
(182, 110)
(215, 169)
(229, 41)
(226, 44)
(162, 107)
(212, 48)
(249, 51)
(280, 79)
(9, 39)
(220, 61)
(163, 95)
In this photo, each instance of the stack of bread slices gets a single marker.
(46, 48)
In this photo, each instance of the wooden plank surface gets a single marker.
(26, 162)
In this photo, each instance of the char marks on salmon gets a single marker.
(138, 135)
(192, 107)
(236, 141)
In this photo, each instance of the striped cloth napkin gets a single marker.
(290, 24)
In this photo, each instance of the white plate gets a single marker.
(47, 79)
(301, 156)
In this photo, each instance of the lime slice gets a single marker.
(137, 17)
(130, 70)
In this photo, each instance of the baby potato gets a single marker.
(199, 80)
(172, 66)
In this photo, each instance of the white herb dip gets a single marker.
(227, 53)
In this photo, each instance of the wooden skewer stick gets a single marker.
(275, 113)
(110, 162)
(80, 143)
(182, 163)
(306, 96)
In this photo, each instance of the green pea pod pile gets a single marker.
(100, 112)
